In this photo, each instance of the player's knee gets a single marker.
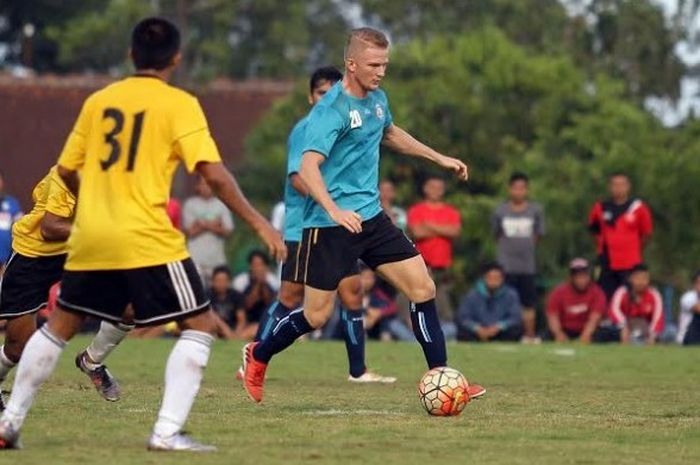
(317, 317)
(351, 297)
(204, 322)
(291, 297)
(423, 291)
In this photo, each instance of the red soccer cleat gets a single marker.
(475, 391)
(253, 373)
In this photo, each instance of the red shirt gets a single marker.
(648, 305)
(574, 307)
(620, 231)
(436, 251)
(174, 212)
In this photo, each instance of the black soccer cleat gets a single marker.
(101, 378)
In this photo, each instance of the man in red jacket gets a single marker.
(575, 307)
(622, 226)
(637, 309)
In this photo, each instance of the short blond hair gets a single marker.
(364, 37)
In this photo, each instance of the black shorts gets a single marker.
(158, 294)
(331, 254)
(24, 288)
(525, 286)
(293, 269)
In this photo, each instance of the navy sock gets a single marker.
(426, 327)
(270, 318)
(354, 335)
(283, 335)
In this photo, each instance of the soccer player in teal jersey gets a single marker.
(291, 292)
(343, 218)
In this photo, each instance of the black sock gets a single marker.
(270, 318)
(354, 335)
(283, 335)
(426, 327)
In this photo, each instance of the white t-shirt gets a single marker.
(688, 301)
(207, 248)
(242, 281)
(277, 217)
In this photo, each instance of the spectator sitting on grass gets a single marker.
(575, 307)
(689, 318)
(226, 302)
(382, 319)
(637, 309)
(491, 311)
(259, 287)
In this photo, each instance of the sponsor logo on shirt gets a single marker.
(517, 227)
(577, 309)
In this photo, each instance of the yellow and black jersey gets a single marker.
(127, 143)
(50, 195)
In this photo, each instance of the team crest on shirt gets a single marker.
(379, 111)
(355, 119)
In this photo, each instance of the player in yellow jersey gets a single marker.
(39, 252)
(126, 144)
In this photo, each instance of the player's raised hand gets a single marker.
(454, 164)
(274, 242)
(348, 219)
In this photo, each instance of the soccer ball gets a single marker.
(443, 392)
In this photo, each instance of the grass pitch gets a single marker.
(545, 405)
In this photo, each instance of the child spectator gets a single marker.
(637, 309)
(491, 311)
(518, 225)
(575, 307)
(382, 319)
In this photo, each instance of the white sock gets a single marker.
(183, 375)
(6, 365)
(107, 338)
(36, 365)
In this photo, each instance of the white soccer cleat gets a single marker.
(177, 442)
(369, 377)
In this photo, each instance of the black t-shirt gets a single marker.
(227, 305)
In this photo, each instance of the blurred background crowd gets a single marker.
(577, 118)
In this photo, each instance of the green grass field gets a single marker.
(546, 405)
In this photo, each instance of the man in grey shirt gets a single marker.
(518, 224)
(207, 223)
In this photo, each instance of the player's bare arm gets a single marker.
(70, 178)
(311, 175)
(55, 228)
(298, 184)
(226, 188)
(404, 143)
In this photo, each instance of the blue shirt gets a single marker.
(293, 201)
(347, 131)
(10, 211)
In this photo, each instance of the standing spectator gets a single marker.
(174, 211)
(435, 225)
(207, 223)
(689, 318)
(10, 212)
(518, 225)
(387, 196)
(575, 307)
(491, 311)
(259, 287)
(226, 301)
(622, 226)
(637, 308)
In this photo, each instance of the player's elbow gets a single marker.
(52, 230)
